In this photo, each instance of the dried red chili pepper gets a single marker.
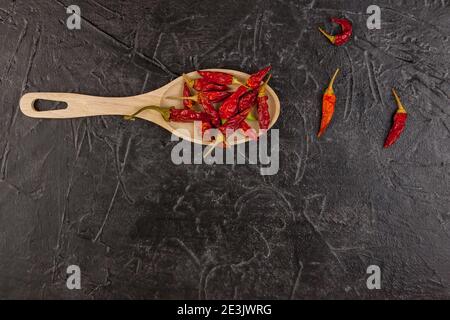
(205, 127)
(255, 79)
(203, 85)
(212, 96)
(234, 123)
(231, 105)
(248, 100)
(173, 114)
(187, 103)
(344, 36)
(263, 107)
(231, 126)
(219, 77)
(248, 130)
(328, 104)
(179, 115)
(216, 96)
(210, 110)
(399, 124)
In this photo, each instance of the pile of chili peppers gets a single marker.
(210, 100)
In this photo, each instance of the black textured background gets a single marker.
(103, 194)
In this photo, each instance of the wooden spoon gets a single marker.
(87, 106)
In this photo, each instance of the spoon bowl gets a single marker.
(79, 106)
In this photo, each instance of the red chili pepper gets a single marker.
(263, 113)
(234, 123)
(212, 96)
(210, 110)
(188, 103)
(263, 107)
(248, 130)
(179, 115)
(216, 96)
(230, 107)
(344, 36)
(205, 127)
(203, 85)
(328, 104)
(399, 124)
(173, 114)
(255, 80)
(248, 100)
(219, 77)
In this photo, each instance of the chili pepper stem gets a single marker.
(188, 81)
(329, 36)
(193, 98)
(237, 82)
(264, 85)
(330, 87)
(401, 108)
(262, 90)
(220, 139)
(165, 113)
(334, 78)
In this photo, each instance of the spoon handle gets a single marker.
(79, 105)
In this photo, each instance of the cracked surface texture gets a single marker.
(103, 194)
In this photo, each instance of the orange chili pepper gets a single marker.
(329, 101)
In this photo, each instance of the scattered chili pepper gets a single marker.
(212, 96)
(219, 77)
(203, 85)
(231, 105)
(255, 80)
(328, 104)
(263, 107)
(188, 103)
(344, 36)
(248, 130)
(173, 114)
(248, 100)
(399, 124)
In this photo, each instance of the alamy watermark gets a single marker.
(73, 281)
(374, 21)
(74, 20)
(253, 152)
(374, 280)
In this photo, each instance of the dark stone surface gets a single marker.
(103, 194)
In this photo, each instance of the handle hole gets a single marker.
(48, 105)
